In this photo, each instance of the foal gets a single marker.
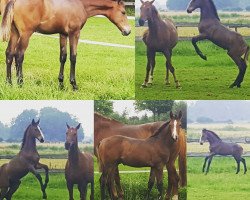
(212, 29)
(79, 168)
(161, 36)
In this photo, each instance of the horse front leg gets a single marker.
(209, 162)
(151, 182)
(70, 190)
(197, 39)
(204, 165)
(3, 193)
(46, 169)
(13, 188)
(63, 58)
(159, 179)
(150, 67)
(73, 40)
(173, 181)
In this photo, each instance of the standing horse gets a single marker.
(27, 160)
(212, 29)
(161, 36)
(54, 16)
(79, 168)
(161, 149)
(218, 147)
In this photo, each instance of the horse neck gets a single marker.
(73, 154)
(30, 143)
(212, 138)
(97, 7)
(153, 23)
(207, 12)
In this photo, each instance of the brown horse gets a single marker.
(161, 36)
(161, 149)
(27, 160)
(212, 29)
(54, 16)
(79, 168)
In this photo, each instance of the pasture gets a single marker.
(102, 72)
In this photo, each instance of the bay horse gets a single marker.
(212, 29)
(54, 16)
(105, 127)
(161, 36)
(27, 160)
(79, 168)
(160, 149)
(218, 147)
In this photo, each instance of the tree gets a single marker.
(156, 107)
(181, 106)
(104, 107)
(204, 120)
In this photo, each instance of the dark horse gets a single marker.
(157, 151)
(27, 160)
(79, 168)
(54, 16)
(212, 29)
(161, 36)
(218, 147)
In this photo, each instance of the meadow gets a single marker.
(102, 72)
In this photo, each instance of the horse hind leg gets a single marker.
(244, 164)
(118, 184)
(63, 58)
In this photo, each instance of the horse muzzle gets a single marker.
(141, 22)
(41, 139)
(190, 10)
(126, 31)
(68, 145)
(201, 143)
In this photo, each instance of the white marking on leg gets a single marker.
(175, 197)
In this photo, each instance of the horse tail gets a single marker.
(246, 54)
(182, 159)
(99, 160)
(7, 20)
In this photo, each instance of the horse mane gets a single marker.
(214, 9)
(214, 134)
(104, 118)
(24, 137)
(157, 132)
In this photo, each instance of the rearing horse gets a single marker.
(54, 16)
(27, 160)
(161, 36)
(212, 29)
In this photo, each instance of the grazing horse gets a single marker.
(79, 168)
(161, 36)
(54, 16)
(218, 147)
(212, 29)
(161, 149)
(27, 160)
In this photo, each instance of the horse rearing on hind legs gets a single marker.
(161, 36)
(27, 160)
(54, 16)
(212, 29)
(157, 151)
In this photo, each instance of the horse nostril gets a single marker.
(42, 140)
(141, 22)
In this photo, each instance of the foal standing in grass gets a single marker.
(79, 168)
(161, 36)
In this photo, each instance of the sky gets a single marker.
(157, 3)
(82, 110)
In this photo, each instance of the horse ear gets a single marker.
(38, 122)
(171, 115)
(33, 122)
(142, 1)
(67, 125)
(78, 126)
(180, 115)
(151, 2)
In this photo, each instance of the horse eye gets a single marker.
(123, 12)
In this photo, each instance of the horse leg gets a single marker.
(204, 165)
(103, 182)
(197, 39)
(83, 191)
(159, 179)
(173, 181)
(168, 55)
(13, 189)
(45, 167)
(3, 193)
(118, 184)
(63, 58)
(92, 190)
(244, 163)
(167, 74)
(10, 53)
(70, 189)
(111, 178)
(209, 162)
(73, 40)
(151, 182)
(150, 63)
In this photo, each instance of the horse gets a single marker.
(212, 29)
(160, 149)
(218, 147)
(27, 160)
(79, 168)
(161, 36)
(54, 16)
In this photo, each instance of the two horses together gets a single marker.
(154, 145)
(161, 36)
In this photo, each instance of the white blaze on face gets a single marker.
(42, 136)
(175, 130)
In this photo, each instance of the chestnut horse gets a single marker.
(54, 16)
(79, 168)
(161, 36)
(212, 29)
(161, 149)
(27, 160)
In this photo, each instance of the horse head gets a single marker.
(194, 4)
(203, 137)
(147, 11)
(71, 136)
(36, 131)
(175, 125)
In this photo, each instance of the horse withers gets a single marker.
(218, 147)
(79, 168)
(161, 36)
(54, 16)
(27, 160)
(212, 29)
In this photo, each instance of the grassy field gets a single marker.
(220, 183)
(102, 72)
(199, 79)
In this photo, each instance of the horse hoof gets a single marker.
(61, 86)
(232, 86)
(75, 88)
(167, 83)
(45, 196)
(144, 85)
(204, 57)
(149, 84)
(238, 86)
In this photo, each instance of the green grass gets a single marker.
(199, 79)
(220, 183)
(101, 73)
